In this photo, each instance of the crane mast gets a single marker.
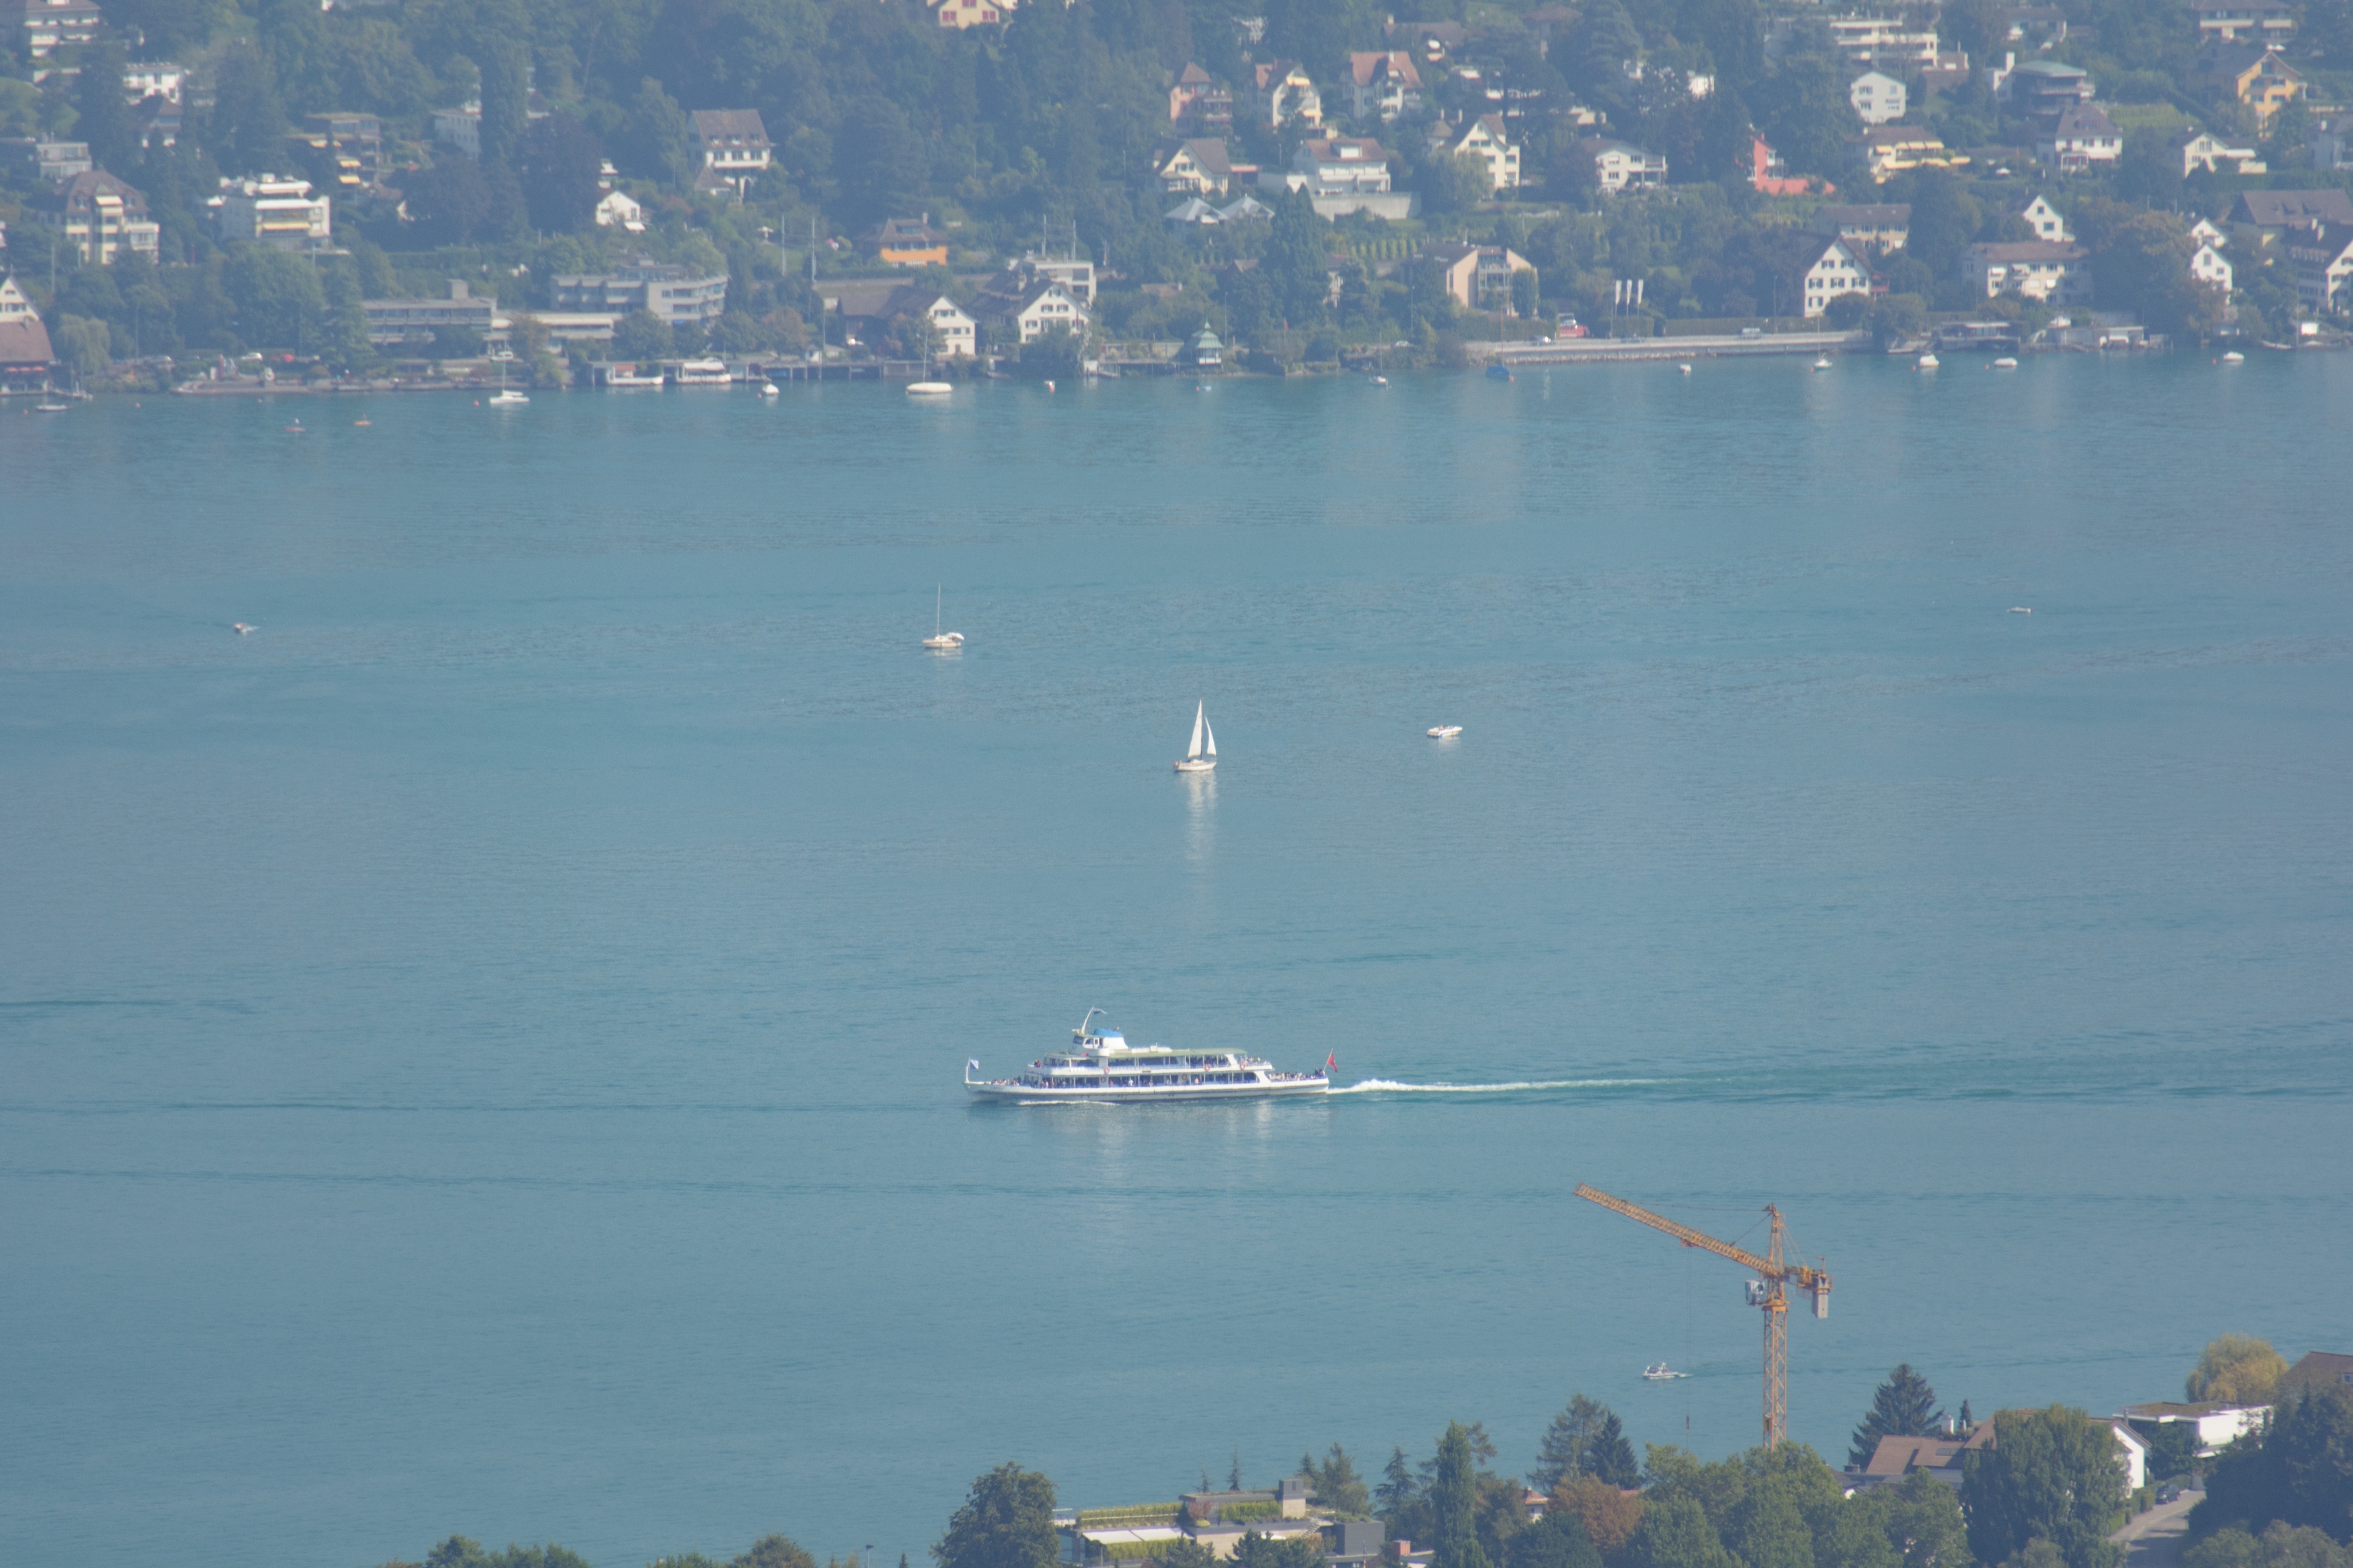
(1768, 1292)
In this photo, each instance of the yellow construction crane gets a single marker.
(1767, 1290)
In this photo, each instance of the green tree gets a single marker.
(879, 162)
(1256, 1551)
(1296, 266)
(2172, 1450)
(2052, 1475)
(100, 118)
(1337, 1486)
(1944, 218)
(2299, 1469)
(1188, 1554)
(561, 160)
(1905, 1405)
(84, 345)
(1768, 1530)
(1556, 1541)
(246, 131)
(1923, 1520)
(1611, 1458)
(1397, 1488)
(1453, 1497)
(458, 1551)
(2280, 1546)
(1008, 1522)
(653, 144)
(774, 1552)
(641, 336)
(278, 299)
(2236, 1369)
(1566, 1442)
(449, 202)
(1675, 1534)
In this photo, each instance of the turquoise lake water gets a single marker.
(480, 1054)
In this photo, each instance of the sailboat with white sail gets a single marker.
(1201, 756)
(940, 641)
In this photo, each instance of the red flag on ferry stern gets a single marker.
(1331, 1060)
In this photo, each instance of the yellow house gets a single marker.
(2250, 74)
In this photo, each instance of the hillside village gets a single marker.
(359, 187)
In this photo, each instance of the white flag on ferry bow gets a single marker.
(973, 1062)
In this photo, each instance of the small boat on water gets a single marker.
(704, 373)
(940, 641)
(51, 408)
(241, 629)
(510, 399)
(1444, 732)
(2235, 357)
(1198, 760)
(1380, 381)
(1104, 1067)
(770, 389)
(1659, 1371)
(1926, 362)
(2021, 609)
(1684, 368)
(1499, 373)
(2005, 362)
(629, 378)
(1823, 363)
(929, 388)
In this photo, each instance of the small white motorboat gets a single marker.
(1444, 732)
(509, 399)
(1684, 368)
(2021, 609)
(1823, 363)
(242, 628)
(2235, 357)
(770, 389)
(1198, 758)
(940, 641)
(929, 388)
(2005, 362)
(1927, 362)
(1380, 381)
(1659, 1372)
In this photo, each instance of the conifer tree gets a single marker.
(1454, 1499)
(1904, 1406)
(1612, 1458)
(1396, 1488)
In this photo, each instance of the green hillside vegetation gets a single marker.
(1041, 130)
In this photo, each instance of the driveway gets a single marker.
(2153, 1540)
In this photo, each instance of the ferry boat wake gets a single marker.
(1105, 1068)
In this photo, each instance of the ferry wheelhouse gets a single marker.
(1104, 1067)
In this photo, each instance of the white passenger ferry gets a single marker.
(1105, 1066)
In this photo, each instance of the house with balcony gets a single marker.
(2244, 21)
(672, 293)
(351, 144)
(2041, 88)
(618, 209)
(2323, 258)
(910, 242)
(1484, 140)
(731, 149)
(2043, 269)
(26, 355)
(955, 328)
(1342, 175)
(1199, 167)
(2208, 265)
(1038, 307)
(2047, 221)
(2249, 74)
(1887, 151)
(1282, 92)
(275, 210)
(1196, 96)
(1878, 99)
(99, 215)
(1479, 277)
(2203, 150)
(1620, 166)
(144, 80)
(394, 321)
(2082, 138)
(54, 24)
(1882, 227)
(1384, 85)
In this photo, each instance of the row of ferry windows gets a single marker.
(1147, 1081)
(1146, 1062)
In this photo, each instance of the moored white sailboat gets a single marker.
(1200, 758)
(940, 641)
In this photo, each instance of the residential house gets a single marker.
(53, 24)
(2245, 21)
(1768, 172)
(100, 217)
(1435, 40)
(1828, 269)
(2132, 1452)
(1880, 40)
(415, 320)
(1342, 175)
(2037, 213)
(1193, 210)
(2040, 26)
(2205, 231)
(1888, 151)
(2317, 1369)
(1878, 97)
(1881, 227)
(158, 120)
(275, 210)
(2250, 74)
(2041, 88)
(955, 327)
(731, 148)
(1199, 166)
(1483, 139)
(1038, 308)
(351, 144)
(669, 291)
(1477, 276)
(1196, 96)
(2058, 273)
(1245, 206)
(2208, 265)
(2084, 137)
(2331, 141)
(2323, 258)
(2204, 150)
(37, 158)
(618, 209)
(1383, 84)
(911, 242)
(2217, 1425)
(1203, 351)
(1076, 274)
(960, 15)
(462, 127)
(1283, 91)
(144, 80)
(1938, 1454)
(2273, 213)
(1620, 166)
(26, 355)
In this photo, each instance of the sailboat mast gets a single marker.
(1200, 720)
